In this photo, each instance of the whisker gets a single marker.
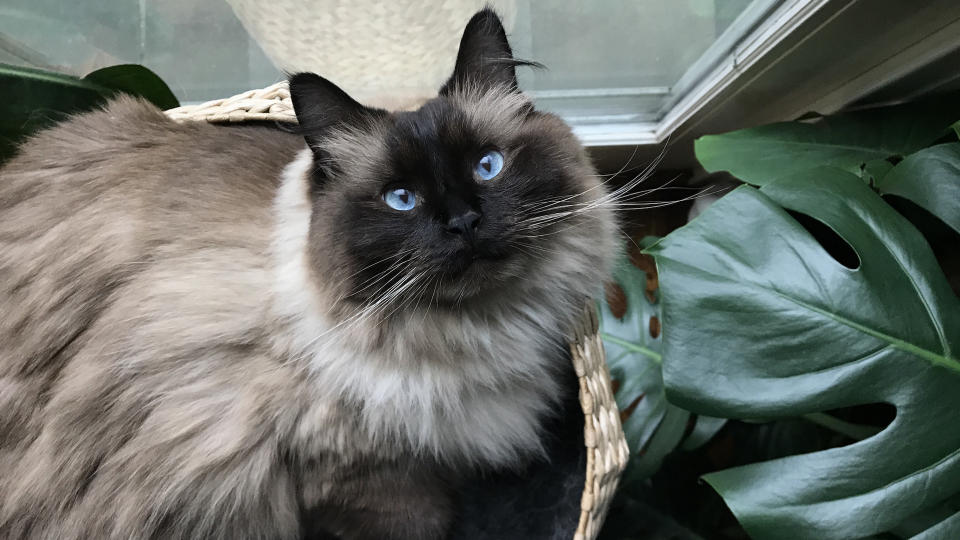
(630, 184)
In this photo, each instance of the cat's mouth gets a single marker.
(476, 272)
(467, 272)
(475, 259)
(491, 257)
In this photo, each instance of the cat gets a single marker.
(242, 332)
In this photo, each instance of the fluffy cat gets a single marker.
(222, 332)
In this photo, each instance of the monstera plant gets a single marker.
(33, 99)
(806, 291)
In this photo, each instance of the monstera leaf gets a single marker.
(632, 343)
(761, 322)
(849, 141)
(931, 179)
(135, 80)
(32, 99)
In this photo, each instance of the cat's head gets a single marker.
(474, 197)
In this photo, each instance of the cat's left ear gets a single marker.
(485, 59)
(319, 105)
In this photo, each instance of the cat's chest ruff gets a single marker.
(452, 390)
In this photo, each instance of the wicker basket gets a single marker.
(607, 452)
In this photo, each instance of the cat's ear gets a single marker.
(320, 105)
(485, 59)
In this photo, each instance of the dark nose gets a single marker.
(464, 224)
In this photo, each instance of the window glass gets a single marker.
(612, 61)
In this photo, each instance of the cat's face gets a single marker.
(468, 196)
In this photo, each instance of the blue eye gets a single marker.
(400, 199)
(489, 165)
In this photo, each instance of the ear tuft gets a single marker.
(485, 59)
(319, 105)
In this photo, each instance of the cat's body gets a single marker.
(186, 350)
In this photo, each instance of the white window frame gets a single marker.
(776, 33)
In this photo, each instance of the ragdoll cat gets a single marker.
(223, 332)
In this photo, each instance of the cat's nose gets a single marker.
(464, 224)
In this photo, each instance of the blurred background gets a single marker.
(629, 75)
(608, 61)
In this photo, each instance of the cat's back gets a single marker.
(103, 206)
(129, 155)
(134, 264)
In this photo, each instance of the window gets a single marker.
(625, 63)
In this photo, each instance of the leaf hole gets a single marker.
(877, 415)
(616, 299)
(654, 327)
(851, 424)
(829, 240)
(649, 266)
(624, 414)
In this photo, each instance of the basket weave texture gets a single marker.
(607, 452)
(271, 103)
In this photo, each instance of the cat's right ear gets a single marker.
(319, 105)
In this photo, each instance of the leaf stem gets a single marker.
(857, 432)
(936, 359)
(649, 353)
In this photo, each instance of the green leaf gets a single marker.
(654, 427)
(13, 73)
(633, 356)
(32, 99)
(856, 432)
(761, 322)
(704, 430)
(873, 171)
(956, 129)
(135, 80)
(763, 154)
(931, 179)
